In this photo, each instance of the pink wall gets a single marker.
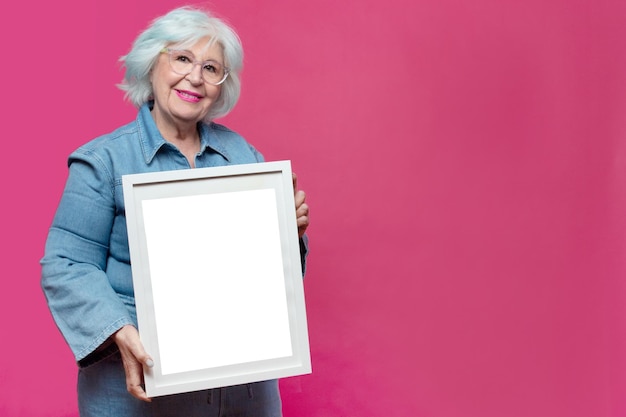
(465, 162)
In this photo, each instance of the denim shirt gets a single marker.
(86, 273)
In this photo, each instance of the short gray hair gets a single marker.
(183, 26)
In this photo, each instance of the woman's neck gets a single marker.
(184, 136)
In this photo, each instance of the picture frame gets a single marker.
(217, 275)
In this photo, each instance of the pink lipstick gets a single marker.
(188, 96)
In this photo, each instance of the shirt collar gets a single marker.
(151, 139)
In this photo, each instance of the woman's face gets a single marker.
(181, 100)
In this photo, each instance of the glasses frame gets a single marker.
(195, 62)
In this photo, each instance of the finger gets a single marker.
(302, 219)
(133, 371)
(134, 357)
(302, 210)
(134, 380)
(299, 197)
(302, 228)
(294, 179)
(303, 222)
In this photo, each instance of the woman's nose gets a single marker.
(195, 75)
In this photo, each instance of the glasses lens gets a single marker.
(212, 72)
(183, 63)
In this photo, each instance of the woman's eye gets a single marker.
(210, 68)
(183, 58)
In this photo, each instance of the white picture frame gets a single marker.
(217, 275)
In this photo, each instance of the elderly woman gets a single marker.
(182, 72)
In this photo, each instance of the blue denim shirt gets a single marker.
(86, 273)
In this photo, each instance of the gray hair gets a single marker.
(183, 26)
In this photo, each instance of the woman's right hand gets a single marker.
(134, 358)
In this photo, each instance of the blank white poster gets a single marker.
(221, 289)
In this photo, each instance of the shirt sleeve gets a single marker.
(81, 299)
(257, 155)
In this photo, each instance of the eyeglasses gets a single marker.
(183, 62)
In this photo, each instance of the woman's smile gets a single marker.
(188, 96)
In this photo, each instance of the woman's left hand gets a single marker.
(134, 357)
(302, 209)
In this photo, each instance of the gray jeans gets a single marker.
(102, 393)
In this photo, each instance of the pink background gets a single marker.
(465, 162)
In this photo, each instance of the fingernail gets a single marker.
(149, 363)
